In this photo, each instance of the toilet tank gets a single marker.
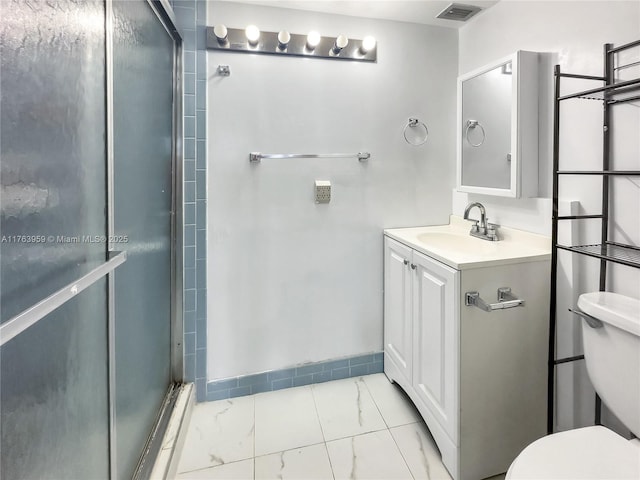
(612, 353)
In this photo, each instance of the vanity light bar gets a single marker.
(275, 43)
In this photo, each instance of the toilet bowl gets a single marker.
(612, 356)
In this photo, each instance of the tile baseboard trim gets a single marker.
(296, 376)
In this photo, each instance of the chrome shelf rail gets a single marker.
(255, 157)
(18, 324)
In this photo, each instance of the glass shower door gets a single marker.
(54, 375)
(143, 68)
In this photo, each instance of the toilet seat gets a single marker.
(580, 454)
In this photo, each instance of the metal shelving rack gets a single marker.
(611, 93)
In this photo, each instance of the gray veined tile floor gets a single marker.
(356, 428)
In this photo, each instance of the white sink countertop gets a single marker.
(452, 245)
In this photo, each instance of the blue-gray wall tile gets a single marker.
(201, 213)
(338, 373)
(307, 369)
(359, 370)
(222, 385)
(279, 374)
(282, 383)
(201, 329)
(189, 343)
(190, 149)
(239, 392)
(361, 359)
(189, 127)
(321, 377)
(201, 12)
(189, 84)
(201, 66)
(201, 390)
(201, 93)
(189, 235)
(260, 387)
(190, 257)
(201, 362)
(302, 380)
(376, 367)
(201, 302)
(189, 192)
(189, 39)
(201, 244)
(190, 63)
(253, 379)
(190, 368)
(190, 216)
(328, 366)
(189, 172)
(201, 154)
(190, 104)
(201, 274)
(217, 395)
(190, 300)
(190, 322)
(201, 183)
(185, 17)
(378, 357)
(201, 124)
(189, 278)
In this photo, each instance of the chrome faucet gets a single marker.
(486, 230)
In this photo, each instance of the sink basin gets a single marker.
(457, 242)
(452, 245)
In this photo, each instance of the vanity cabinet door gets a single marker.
(397, 306)
(435, 340)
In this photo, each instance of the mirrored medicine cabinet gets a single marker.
(498, 128)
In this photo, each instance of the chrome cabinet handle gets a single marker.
(406, 262)
(413, 267)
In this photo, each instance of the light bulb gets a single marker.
(340, 43)
(368, 43)
(220, 31)
(284, 38)
(253, 34)
(313, 39)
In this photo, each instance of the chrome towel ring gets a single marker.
(473, 124)
(415, 123)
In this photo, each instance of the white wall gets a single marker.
(291, 281)
(573, 33)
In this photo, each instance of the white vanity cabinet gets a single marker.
(477, 378)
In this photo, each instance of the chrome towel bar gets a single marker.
(505, 300)
(18, 324)
(257, 156)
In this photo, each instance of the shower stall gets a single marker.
(91, 250)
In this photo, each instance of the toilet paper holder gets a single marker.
(505, 300)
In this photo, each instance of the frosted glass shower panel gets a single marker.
(143, 54)
(54, 380)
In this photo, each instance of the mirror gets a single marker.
(492, 119)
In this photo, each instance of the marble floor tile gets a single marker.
(394, 405)
(345, 408)
(241, 470)
(369, 456)
(219, 432)
(420, 452)
(307, 463)
(286, 419)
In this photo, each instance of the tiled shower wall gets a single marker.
(191, 19)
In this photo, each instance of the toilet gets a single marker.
(612, 355)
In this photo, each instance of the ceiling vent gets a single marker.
(459, 12)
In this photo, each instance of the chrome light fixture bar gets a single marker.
(285, 43)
